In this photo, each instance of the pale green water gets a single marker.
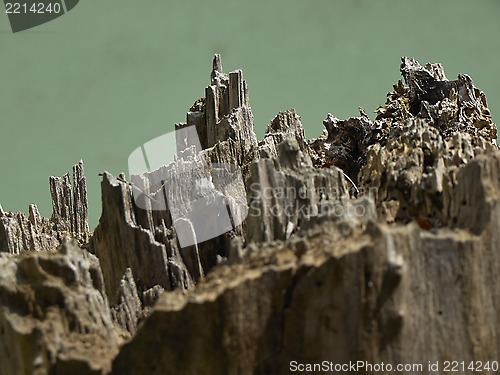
(111, 75)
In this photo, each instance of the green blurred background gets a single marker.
(110, 75)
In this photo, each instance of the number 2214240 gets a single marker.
(38, 8)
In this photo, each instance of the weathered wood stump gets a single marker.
(379, 241)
